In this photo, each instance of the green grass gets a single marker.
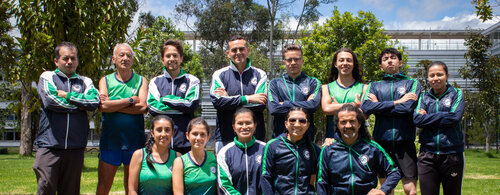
(482, 174)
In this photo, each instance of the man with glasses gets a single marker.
(293, 89)
(239, 84)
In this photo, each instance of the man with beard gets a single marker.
(353, 152)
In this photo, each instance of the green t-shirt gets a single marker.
(342, 95)
(159, 180)
(200, 179)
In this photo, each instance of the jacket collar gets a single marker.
(398, 76)
(244, 145)
(431, 92)
(233, 67)
(301, 75)
(60, 73)
(181, 74)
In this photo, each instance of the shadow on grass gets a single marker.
(89, 169)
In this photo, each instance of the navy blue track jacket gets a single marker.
(393, 122)
(293, 92)
(441, 132)
(63, 122)
(287, 167)
(353, 169)
(178, 98)
(251, 81)
(240, 167)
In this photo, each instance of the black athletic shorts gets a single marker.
(404, 154)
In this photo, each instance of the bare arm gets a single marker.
(134, 171)
(330, 105)
(178, 177)
(123, 105)
(140, 106)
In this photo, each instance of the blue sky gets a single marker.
(396, 14)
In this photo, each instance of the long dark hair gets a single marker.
(151, 140)
(309, 143)
(363, 131)
(356, 72)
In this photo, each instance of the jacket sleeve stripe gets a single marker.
(457, 102)
(51, 90)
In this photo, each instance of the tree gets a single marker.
(362, 33)
(421, 74)
(483, 9)
(147, 44)
(484, 69)
(309, 13)
(217, 20)
(93, 27)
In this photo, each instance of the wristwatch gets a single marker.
(131, 101)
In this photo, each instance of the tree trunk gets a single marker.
(25, 147)
(487, 139)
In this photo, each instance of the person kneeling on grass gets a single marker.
(150, 167)
(351, 163)
(196, 171)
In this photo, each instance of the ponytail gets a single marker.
(149, 145)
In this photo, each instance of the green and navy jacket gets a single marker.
(293, 93)
(63, 122)
(353, 169)
(393, 122)
(178, 98)
(287, 167)
(240, 167)
(441, 132)
(237, 85)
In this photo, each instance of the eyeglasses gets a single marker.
(301, 120)
(290, 60)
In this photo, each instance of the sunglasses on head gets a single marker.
(301, 120)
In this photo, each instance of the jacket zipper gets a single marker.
(437, 139)
(172, 89)
(393, 130)
(246, 165)
(352, 172)
(67, 120)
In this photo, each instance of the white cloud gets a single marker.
(424, 10)
(459, 22)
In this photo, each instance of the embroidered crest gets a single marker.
(305, 90)
(258, 159)
(182, 88)
(363, 159)
(212, 169)
(254, 81)
(306, 154)
(76, 88)
(447, 102)
(133, 91)
(401, 90)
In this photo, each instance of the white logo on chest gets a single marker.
(133, 91)
(401, 90)
(363, 159)
(254, 81)
(258, 159)
(76, 88)
(212, 169)
(447, 102)
(305, 90)
(306, 154)
(182, 88)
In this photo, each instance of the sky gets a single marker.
(395, 14)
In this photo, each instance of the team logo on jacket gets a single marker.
(182, 88)
(76, 88)
(254, 81)
(305, 90)
(306, 154)
(258, 159)
(447, 102)
(363, 159)
(212, 169)
(401, 90)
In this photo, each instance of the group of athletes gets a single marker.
(173, 158)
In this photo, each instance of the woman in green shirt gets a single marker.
(150, 167)
(345, 87)
(196, 171)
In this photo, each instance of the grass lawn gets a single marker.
(482, 174)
